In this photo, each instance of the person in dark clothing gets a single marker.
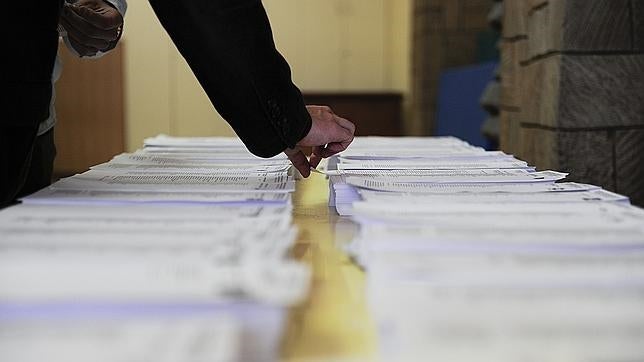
(229, 47)
(27, 65)
(29, 68)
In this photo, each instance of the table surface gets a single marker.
(334, 322)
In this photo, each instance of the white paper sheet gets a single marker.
(187, 168)
(527, 198)
(347, 164)
(433, 154)
(458, 176)
(157, 278)
(126, 339)
(163, 140)
(205, 154)
(174, 160)
(198, 211)
(394, 186)
(104, 223)
(71, 196)
(404, 142)
(509, 268)
(95, 180)
(483, 323)
(387, 208)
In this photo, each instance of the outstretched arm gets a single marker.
(229, 47)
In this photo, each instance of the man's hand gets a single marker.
(91, 25)
(329, 135)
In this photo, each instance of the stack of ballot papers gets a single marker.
(176, 252)
(473, 255)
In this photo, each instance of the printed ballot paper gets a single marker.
(166, 339)
(180, 251)
(176, 252)
(473, 255)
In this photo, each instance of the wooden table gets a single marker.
(334, 323)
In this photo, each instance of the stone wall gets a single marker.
(572, 89)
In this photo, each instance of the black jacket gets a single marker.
(26, 65)
(229, 47)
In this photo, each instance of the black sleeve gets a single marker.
(25, 79)
(229, 47)
(28, 62)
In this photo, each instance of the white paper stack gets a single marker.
(176, 252)
(475, 256)
(427, 165)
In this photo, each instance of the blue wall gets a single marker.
(458, 111)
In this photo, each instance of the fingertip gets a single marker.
(300, 162)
